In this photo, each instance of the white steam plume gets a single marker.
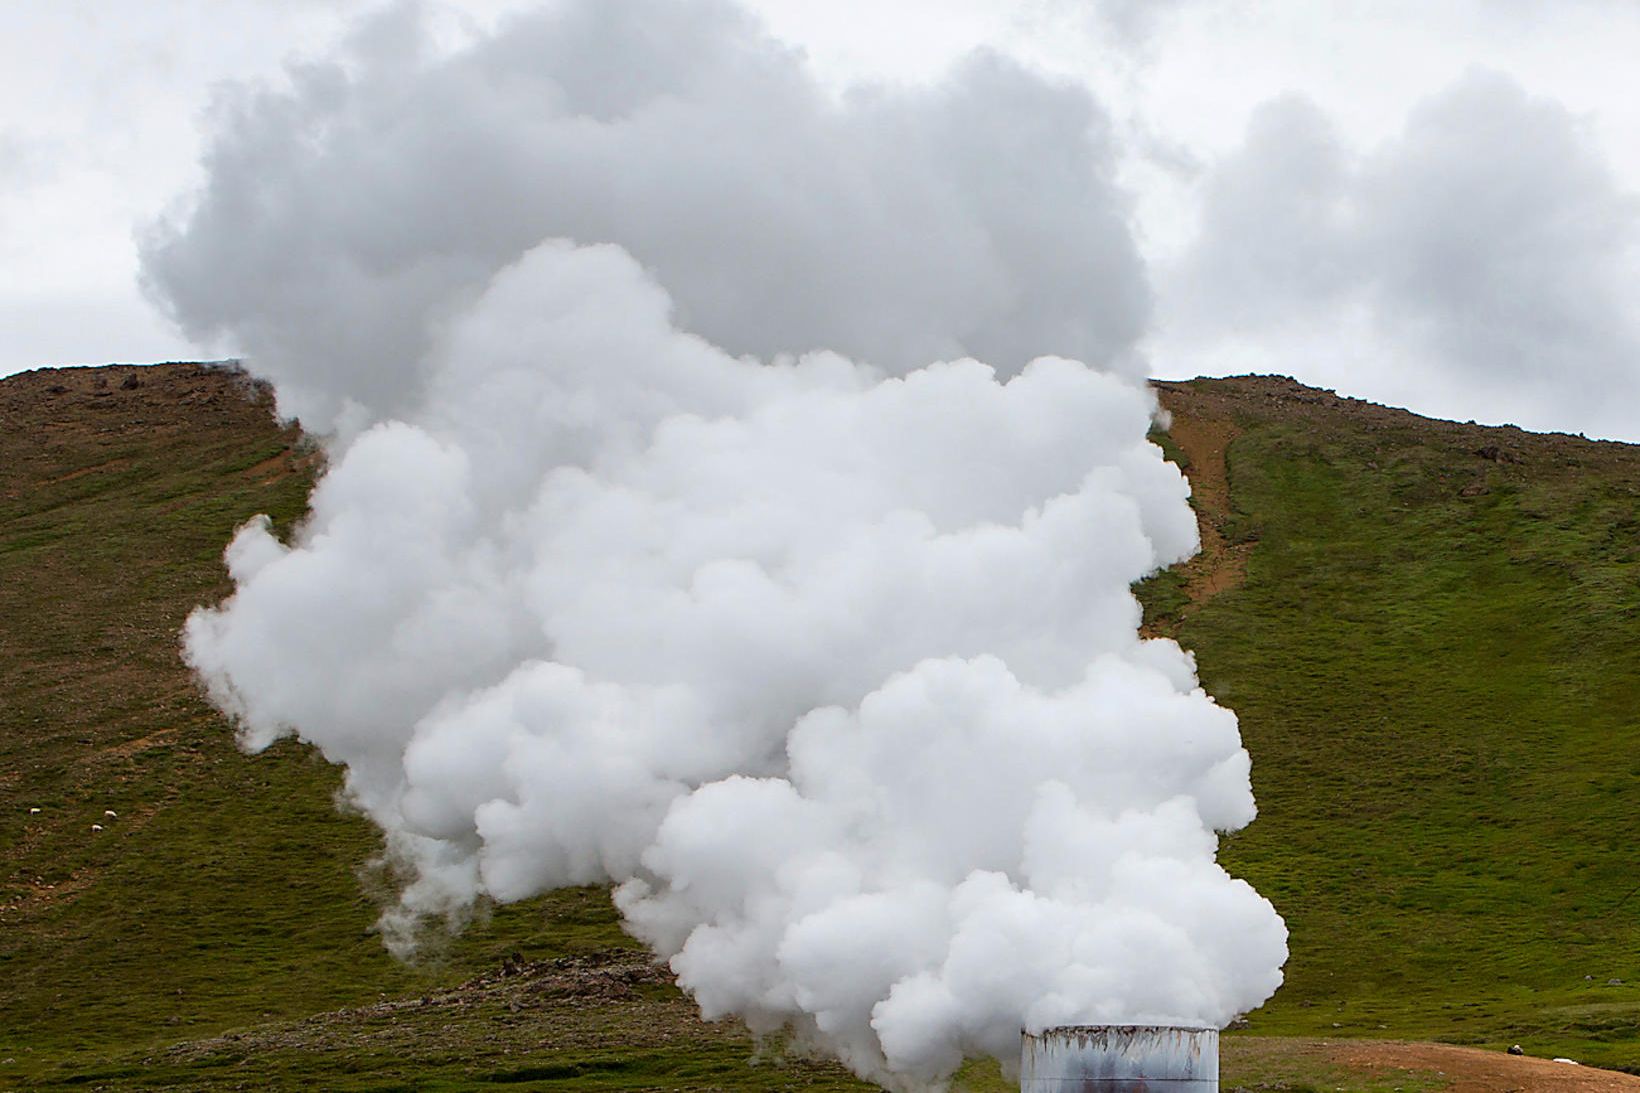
(832, 666)
(344, 221)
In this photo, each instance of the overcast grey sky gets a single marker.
(1431, 205)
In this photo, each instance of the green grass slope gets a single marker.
(228, 893)
(1432, 653)
(1435, 656)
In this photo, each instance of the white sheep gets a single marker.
(111, 814)
(96, 827)
(33, 812)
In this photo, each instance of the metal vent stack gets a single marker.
(1120, 1059)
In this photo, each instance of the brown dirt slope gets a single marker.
(1470, 1070)
(1203, 431)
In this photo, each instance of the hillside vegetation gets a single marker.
(1429, 631)
(1434, 655)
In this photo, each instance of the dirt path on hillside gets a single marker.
(1205, 440)
(1471, 1070)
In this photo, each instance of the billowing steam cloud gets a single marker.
(344, 222)
(829, 661)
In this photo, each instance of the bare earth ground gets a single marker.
(1471, 1070)
(1204, 436)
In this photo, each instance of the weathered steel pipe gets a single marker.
(1120, 1059)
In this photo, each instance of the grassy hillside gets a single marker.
(1432, 651)
(1434, 654)
(228, 892)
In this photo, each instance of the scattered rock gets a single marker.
(1474, 489)
(1614, 982)
(131, 383)
(1568, 1062)
(609, 977)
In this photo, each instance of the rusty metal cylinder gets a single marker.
(1120, 1059)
